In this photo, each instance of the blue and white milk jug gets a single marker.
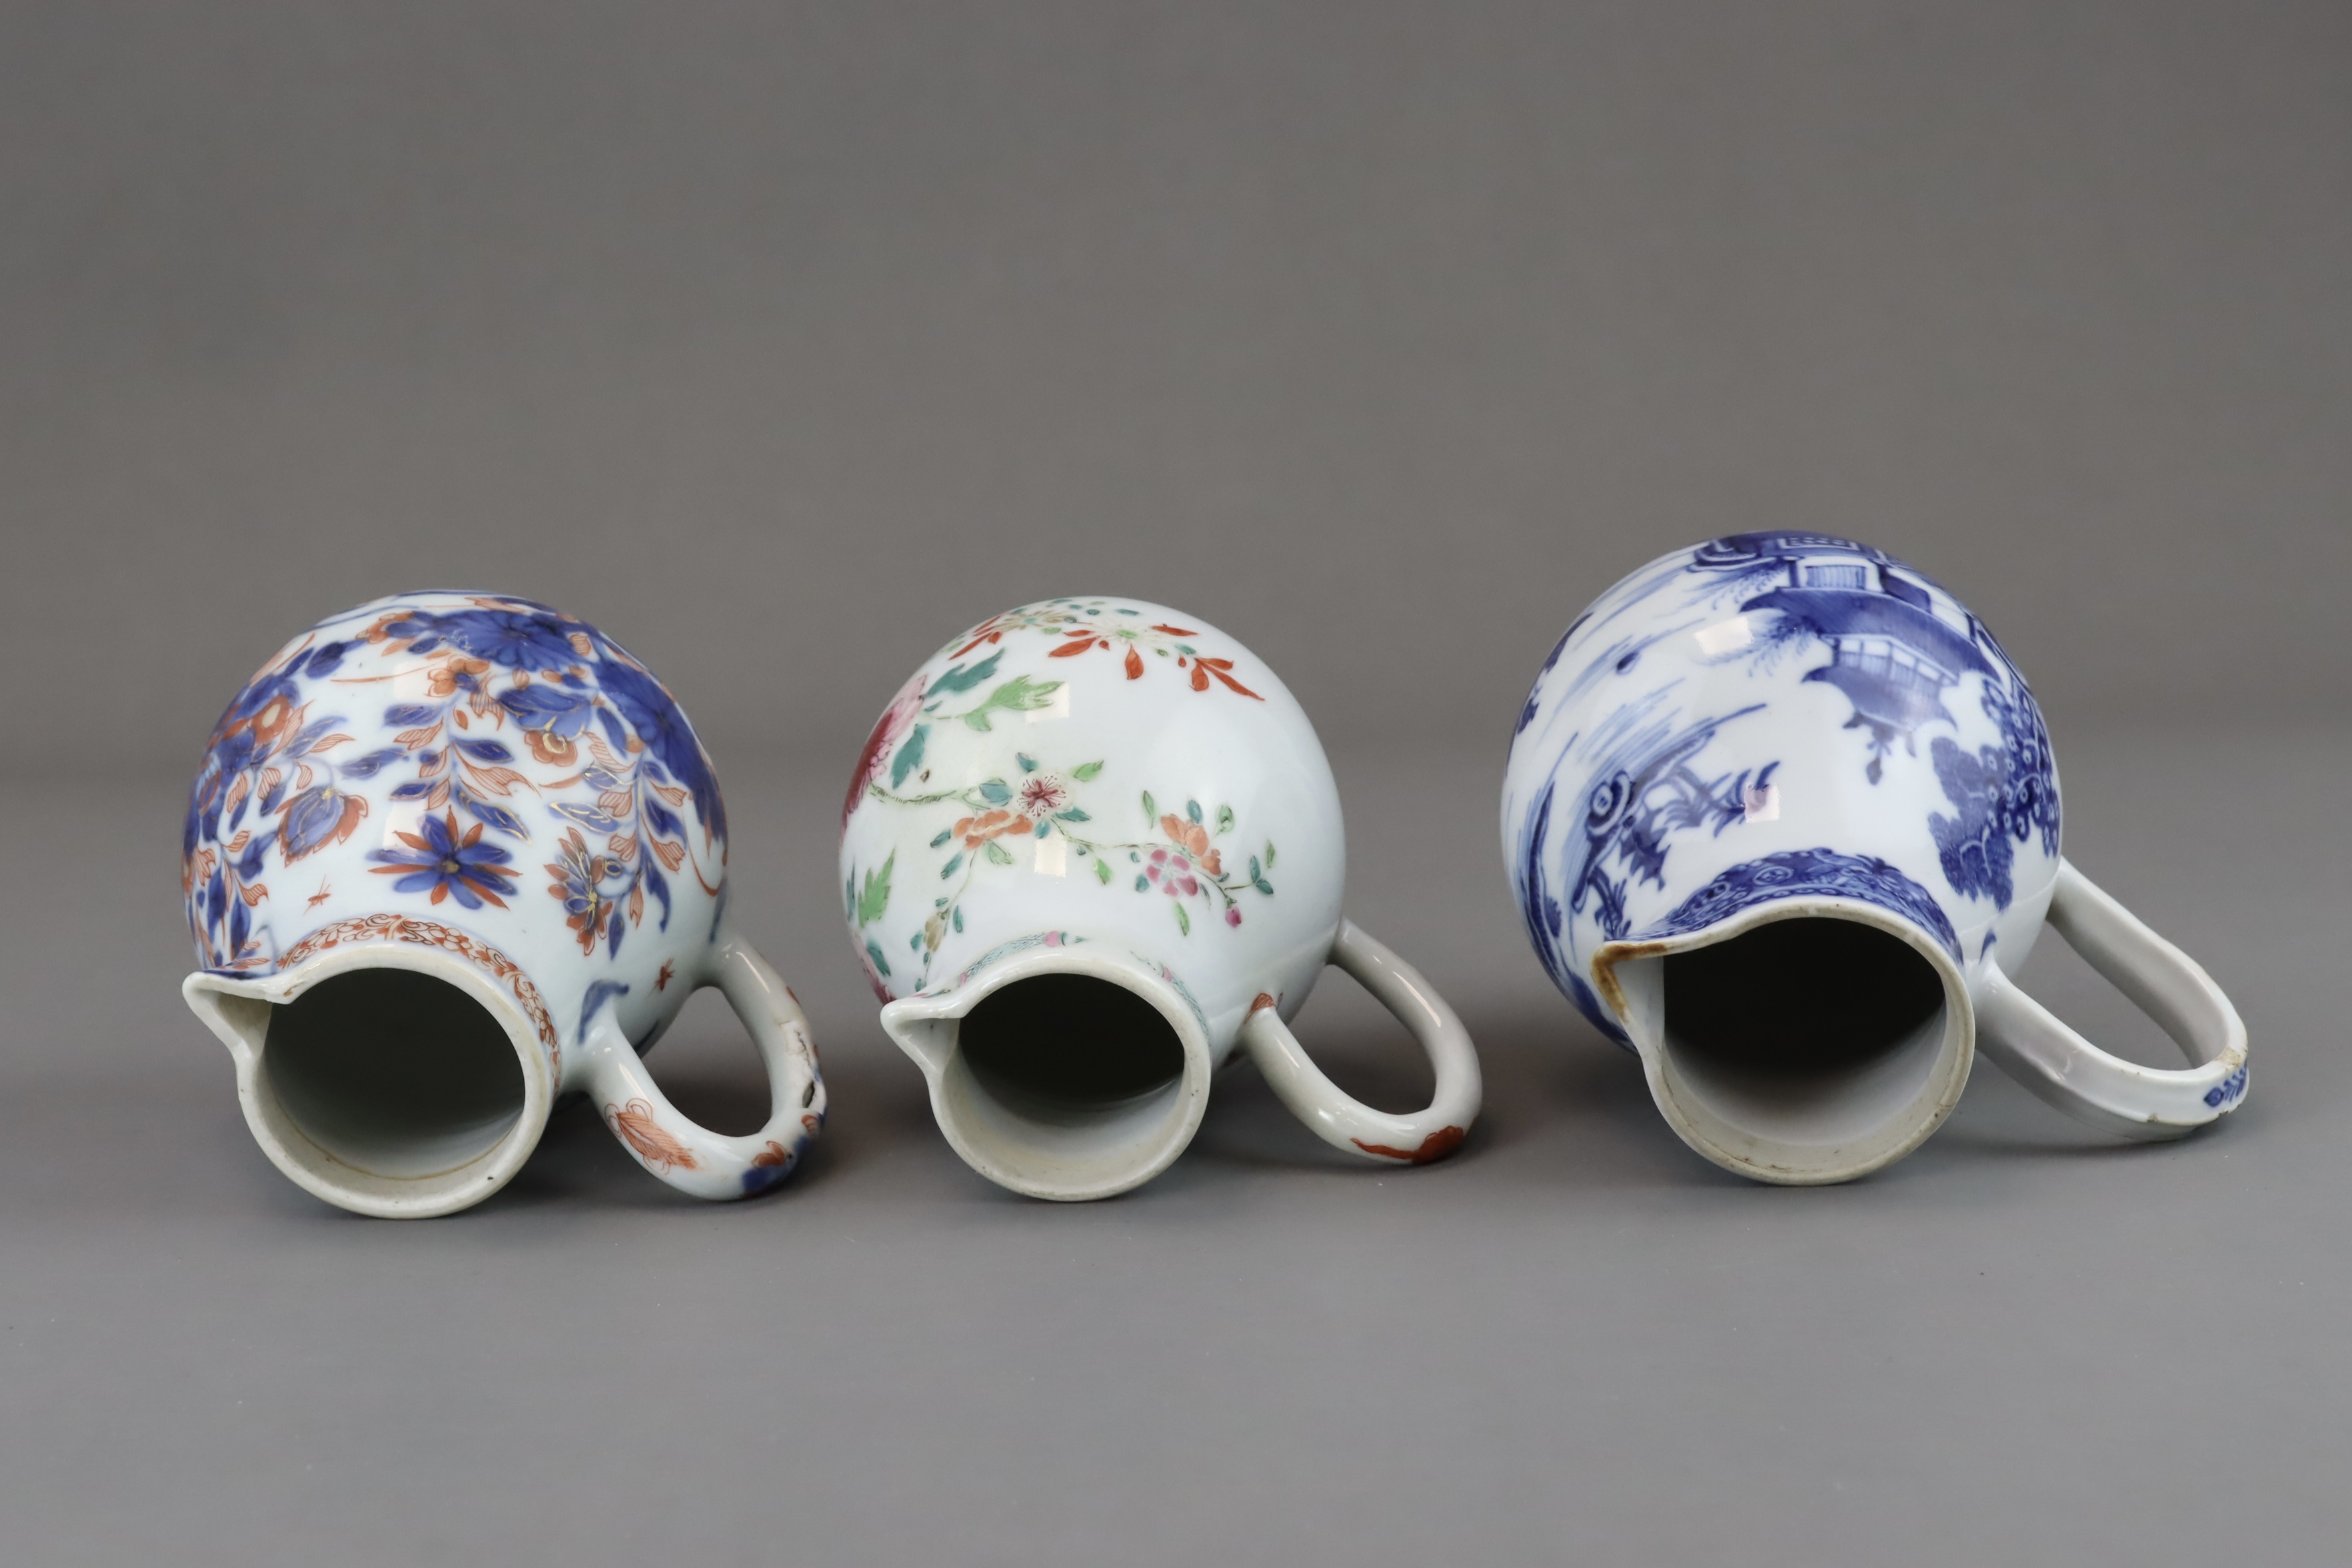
(1781, 818)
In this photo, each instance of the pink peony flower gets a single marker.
(896, 720)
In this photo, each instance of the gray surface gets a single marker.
(1576, 1340)
(781, 342)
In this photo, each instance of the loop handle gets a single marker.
(691, 1157)
(1348, 1124)
(2040, 1052)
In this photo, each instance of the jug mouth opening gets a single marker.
(385, 1084)
(1809, 1041)
(1069, 1075)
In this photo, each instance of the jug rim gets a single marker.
(1629, 974)
(1005, 1142)
(238, 1009)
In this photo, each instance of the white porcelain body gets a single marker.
(487, 790)
(1078, 791)
(1768, 725)
(1100, 786)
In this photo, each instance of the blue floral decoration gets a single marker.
(511, 714)
(447, 862)
(2007, 795)
(1807, 874)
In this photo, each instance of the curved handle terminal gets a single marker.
(1346, 1123)
(691, 1157)
(2035, 1047)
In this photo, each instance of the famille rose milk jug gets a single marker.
(1091, 846)
(449, 856)
(1781, 818)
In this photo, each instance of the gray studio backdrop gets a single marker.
(784, 341)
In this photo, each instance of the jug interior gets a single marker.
(1070, 1042)
(1810, 1040)
(1066, 1082)
(393, 1072)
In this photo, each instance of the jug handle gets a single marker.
(691, 1157)
(1346, 1123)
(2068, 1071)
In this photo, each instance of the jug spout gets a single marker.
(1060, 1067)
(393, 1082)
(1801, 1041)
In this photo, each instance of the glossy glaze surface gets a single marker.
(1101, 786)
(1768, 725)
(1108, 766)
(486, 788)
(1767, 715)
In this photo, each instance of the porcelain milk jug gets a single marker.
(451, 855)
(1781, 817)
(1091, 846)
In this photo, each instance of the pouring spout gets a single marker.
(1066, 1068)
(1807, 1040)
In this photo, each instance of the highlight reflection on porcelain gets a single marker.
(1112, 791)
(1788, 726)
(479, 790)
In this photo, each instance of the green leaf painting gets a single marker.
(876, 897)
(958, 679)
(1019, 695)
(909, 758)
(873, 952)
(1046, 792)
